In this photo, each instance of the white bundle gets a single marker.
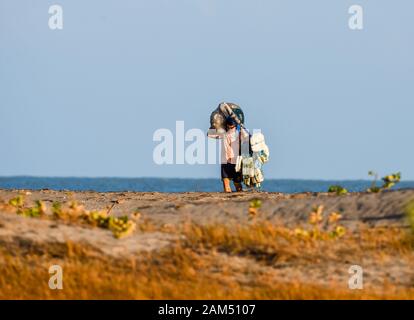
(252, 173)
(258, 144)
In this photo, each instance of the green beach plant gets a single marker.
(322, 228)
(73, 212)
(388, 181)
(120, 226)
(17, 202)
(339, 190)
(391, 180)
(374, 188)
(254, 206)
(38, 210)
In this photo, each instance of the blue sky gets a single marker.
(85, 101)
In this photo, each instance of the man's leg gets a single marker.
(237, 180)
(238, 186)
(226, 185)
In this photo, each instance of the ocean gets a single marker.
(177, 185)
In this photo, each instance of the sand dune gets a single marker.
(162, 215)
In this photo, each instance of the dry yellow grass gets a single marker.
(208, 262)
(256, 260)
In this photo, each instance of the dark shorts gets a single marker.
(228, 171)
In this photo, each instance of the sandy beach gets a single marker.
(220, 242)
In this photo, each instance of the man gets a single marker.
(229, 153)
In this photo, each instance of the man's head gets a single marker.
(230, 123)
